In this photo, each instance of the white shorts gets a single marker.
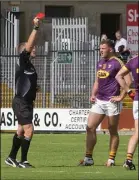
(136, 110)
(106, 107)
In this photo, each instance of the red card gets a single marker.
(40, 15)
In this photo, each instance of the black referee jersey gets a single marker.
(25, 78)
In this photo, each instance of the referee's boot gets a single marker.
(129, 165)
(86, 162)
(12, 162)
(25, 164)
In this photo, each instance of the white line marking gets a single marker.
(98, 172)
(114, 174)
(88, 172)
(45, 171)
(69, 143)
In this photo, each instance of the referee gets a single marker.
(25, 94)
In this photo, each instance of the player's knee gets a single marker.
(136, 135)
(28, 133)
(90, 129)
(113, 130)
(20, 131)
(28, 130)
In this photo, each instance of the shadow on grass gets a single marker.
(98, 165)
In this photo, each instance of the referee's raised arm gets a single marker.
(31, 40)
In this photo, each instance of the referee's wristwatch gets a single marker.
(36, 28)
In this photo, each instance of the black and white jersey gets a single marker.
(25, 78)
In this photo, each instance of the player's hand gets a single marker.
(131, 94)
(93, 99)
(36, 22)
(38, 18)
(116, 99)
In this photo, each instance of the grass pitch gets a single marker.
(56, 156)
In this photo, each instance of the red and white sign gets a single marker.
(132, 21)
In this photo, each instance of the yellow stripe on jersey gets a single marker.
(119, 60)
(124, 67)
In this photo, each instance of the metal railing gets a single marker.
(9, 30)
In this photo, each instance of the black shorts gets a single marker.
(23, 110)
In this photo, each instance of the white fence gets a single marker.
(9, 41)
(74, 55)
(9, 30)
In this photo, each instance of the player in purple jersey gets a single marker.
(104, 92)
(133, 67)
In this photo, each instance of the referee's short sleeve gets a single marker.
(24, 58)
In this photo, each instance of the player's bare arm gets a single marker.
(122, 78)
(94, 91)
(128, 80)
(124, 82)
(31, 41)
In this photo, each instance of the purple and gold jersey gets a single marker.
(106, 72)
(133, 66)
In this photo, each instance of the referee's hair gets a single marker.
(21, 47)
(108, 42)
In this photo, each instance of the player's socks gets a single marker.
(129, 157)
(111, 160)
(24, 148)
(88, 155)
(15, 147)
(112, 155)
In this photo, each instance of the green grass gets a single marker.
(56, 156)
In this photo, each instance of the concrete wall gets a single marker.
(90, 9)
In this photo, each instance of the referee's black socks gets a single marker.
(24, 148)
(17, 140)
